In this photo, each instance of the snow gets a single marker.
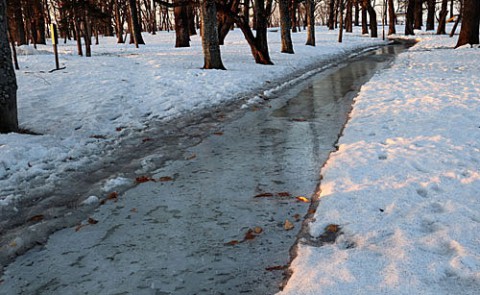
(404, 183)
(85, 111)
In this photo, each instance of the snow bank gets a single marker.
(404, 184)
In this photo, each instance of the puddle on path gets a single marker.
(170, 237)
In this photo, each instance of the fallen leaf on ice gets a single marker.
(297, 217)
(312, 211)
(112, 196)
(165, 178)
(302, 199)
(332, 228)
(288, 225)
(191, 157)
(264, 195)
(79, 227)
(250, 235)
(219, 133)
(299, 120)
(37, 218)
(142, 179)
(232, 243)
(92, 221)
(283, 194)
(257, 230)
(146, 139)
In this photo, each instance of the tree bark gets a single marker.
(470, 23)
(8, 82)
(373, 19)
(118, 22)
(340, 31)
(311, 22)
(210, 44)
(331, 14)
(285, 26)
(410, 18)
(136, 25)
(443, 18)
(182, 32)
(16, 23)
(430, 15)
(348, 17)
(418, 15)
(357, 13)
(364, 17)
(391, 18)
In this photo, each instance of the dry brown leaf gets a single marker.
(297, 217)
(191, 157)
(264, 195)
(302, 199)
(284, 194)
(299, 120)
(79, 227)
(165, 178)
(288, 225)
(112, 196)
(312, 211)
(250, 235)
(232, 243)
(257, 230)
(142, 179)
(146, 139)
(92, 221)
(332, 228)
(219, 133)
(37, 218)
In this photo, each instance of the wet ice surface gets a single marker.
(169, 237)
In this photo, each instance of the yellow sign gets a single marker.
(53, 33)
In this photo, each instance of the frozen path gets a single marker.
(172, 236)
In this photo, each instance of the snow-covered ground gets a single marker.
(404, 185)
(84, 110)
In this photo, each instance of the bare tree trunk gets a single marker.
(357, 13)
(391, 18)
(17, 25)
(430, 15)
(443, 18)
(182, 31)
(210, 45)
(340, 31)
(331, 14)
(418, 15)
(118, 22)
(364, 17)
(293, 15)
(136, 26)
(8, 83)
(373, 19)
(409, 22)
(310, 6)
(285, 26)
(471, 21)
(348, 17)
(246, 11)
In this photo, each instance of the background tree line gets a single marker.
(26, 22)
